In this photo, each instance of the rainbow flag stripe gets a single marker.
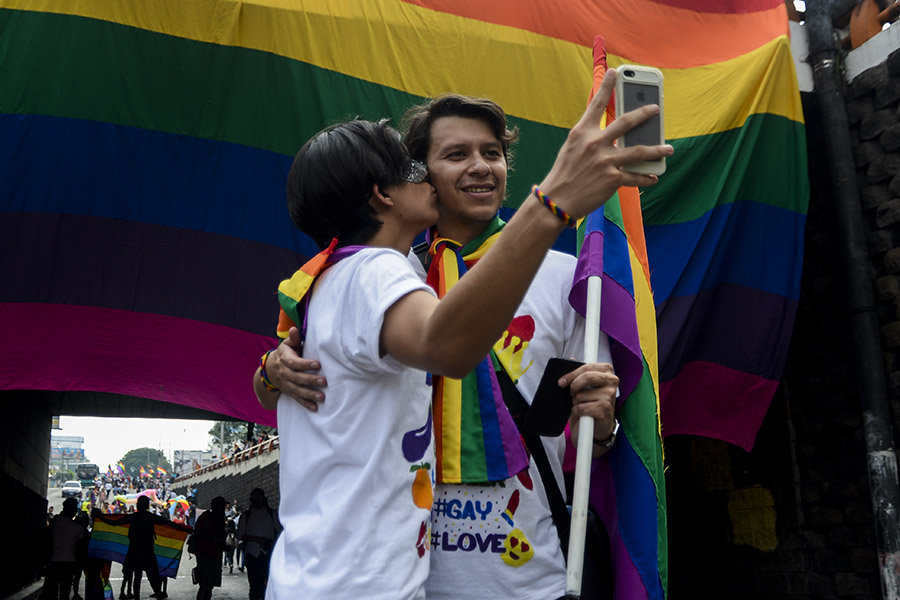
(109, 541)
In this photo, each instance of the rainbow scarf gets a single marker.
(476, 439)
(293, 293)
(109, 541)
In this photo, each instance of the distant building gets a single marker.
(66, 450)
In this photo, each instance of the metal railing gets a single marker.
(238, 457)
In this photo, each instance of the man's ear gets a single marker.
(379, 200)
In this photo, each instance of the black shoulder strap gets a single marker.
(518, 408)
(421, 252)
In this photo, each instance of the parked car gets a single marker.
(72, 489)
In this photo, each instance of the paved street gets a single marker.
(234, 585)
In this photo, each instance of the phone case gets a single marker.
(638, 86)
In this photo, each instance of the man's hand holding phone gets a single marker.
(636, 87)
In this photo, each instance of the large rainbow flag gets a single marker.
(144, 147)
(109, 541)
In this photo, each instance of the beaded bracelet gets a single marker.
(263, 375)
(551, 205)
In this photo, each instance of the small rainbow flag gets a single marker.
(160, 472)
(143, 473)
(120, 468)
(109, 541)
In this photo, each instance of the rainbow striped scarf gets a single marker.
(476, 440)
(293, 293)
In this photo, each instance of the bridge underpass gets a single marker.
(25, 459)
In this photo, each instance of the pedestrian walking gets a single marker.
(207, 544)
(141, 555)
(258, 528)
(66, 538)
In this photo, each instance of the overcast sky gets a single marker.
(106, 440)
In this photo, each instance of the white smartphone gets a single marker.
(638, 86)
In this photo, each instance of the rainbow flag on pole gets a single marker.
(628, 484)
(109, 541)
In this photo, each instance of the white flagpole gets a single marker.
(585, 450)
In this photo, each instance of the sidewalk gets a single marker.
(234, 585)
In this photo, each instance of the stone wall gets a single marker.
(874, 111)
(235, 481)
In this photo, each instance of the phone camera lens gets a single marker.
(629, 73)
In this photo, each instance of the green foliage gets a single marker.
(62, 476)
(144, 457)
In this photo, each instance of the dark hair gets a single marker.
(330, 182)
(143, 502)
(416, 122)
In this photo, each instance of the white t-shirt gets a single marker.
(355, 476)
(476, 551)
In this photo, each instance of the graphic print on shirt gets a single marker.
(414, 445)
(482, 520)
(510, 348)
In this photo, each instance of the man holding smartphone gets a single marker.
(497, 539)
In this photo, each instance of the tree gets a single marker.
(235, 431)
(144, 457)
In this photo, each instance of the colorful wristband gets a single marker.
(551, 205)
(264, 377)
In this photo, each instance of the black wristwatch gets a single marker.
(609, 441)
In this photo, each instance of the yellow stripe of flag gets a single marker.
(452, 425)
(719, 97)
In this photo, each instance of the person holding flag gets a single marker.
(466, 144)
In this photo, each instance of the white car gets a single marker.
(71, 489)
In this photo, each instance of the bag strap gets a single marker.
(519, 408)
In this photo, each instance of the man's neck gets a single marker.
(461, 232)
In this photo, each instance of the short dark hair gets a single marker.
(69, 505)
(416, 122)
(143, 502)
(331, 178)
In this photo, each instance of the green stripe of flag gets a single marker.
(643, 433)
(472, 463)
(166, 551)
(758, 161)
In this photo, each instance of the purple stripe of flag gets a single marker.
(161, 363)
